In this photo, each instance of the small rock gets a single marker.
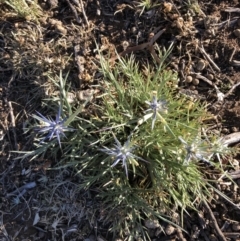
(234, 129)
(170, 229)
(179, 22)
(200, 65)
(236, 227)
(225, 131)
(192, 87)
(53, 3)
(125, 45)
(210, 76)
(195, 81)
(189, 79)
(216, 196)
(167, 7)
(151, 223)
(195, 92)
(84, 95)
(61, 29)
(58, 26)
(71, 97)
(237, 33)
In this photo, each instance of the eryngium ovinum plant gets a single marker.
(142, 152)
(61, 134)
(150, 158)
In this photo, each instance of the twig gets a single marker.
(232, 235)
(202, 50)
(234, 174)
(235, 63)
(22, 188)
(225, 225)
(228, 22)
(232, 89)
(74, 11)
(232, 10)
(231, 57)
(220, 95)
(13, 124)
(84, 14)
(231, 139)
(198, 76)
(148, 45)
(7, 69)
(218, 230)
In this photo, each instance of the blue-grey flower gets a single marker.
(53, 128)
(156, 106)
(196, 151)
(122, 154)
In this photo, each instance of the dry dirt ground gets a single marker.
(206, 55)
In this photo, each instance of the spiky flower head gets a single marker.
(156, 106)
(122, 154)
(197, 151)
(53, 128)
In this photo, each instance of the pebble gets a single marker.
(84, 95)
(195, 92)
(71, 97)
(195, 81)
(234, 129)
(210, 76)
(200, 65)
(53, 3)
(189, 79)
(225, 131)
(169, 229)
(237, 33)
(125, 45)
(192, 87)
(167, 7)
(151, 223)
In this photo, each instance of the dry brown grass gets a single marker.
(30, 10)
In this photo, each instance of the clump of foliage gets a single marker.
(142, 151)
(25, 9)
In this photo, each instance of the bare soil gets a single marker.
(206, 55)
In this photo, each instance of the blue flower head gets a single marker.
(122, 154)
(53, 128)
(156, 106)
(196, 151)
